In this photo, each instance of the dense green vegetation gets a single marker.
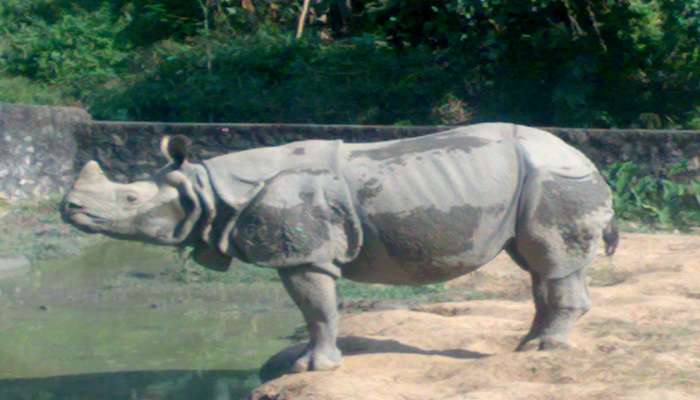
(543, 62)
(667, 201)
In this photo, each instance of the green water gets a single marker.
(117, 323)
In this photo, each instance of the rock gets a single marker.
(13, 265)
(38, 145)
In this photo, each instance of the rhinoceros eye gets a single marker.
(131, 198)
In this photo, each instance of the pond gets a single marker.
(126, 321)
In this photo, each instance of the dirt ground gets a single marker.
(640, 341)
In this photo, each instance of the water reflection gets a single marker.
(116, 323)
(141, 385)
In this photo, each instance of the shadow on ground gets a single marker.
(281, 362)
(151, 385)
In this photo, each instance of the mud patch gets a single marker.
(395, 151)
(267, 233)
(371, 189)
(565, 200)
(445, 310)
(427, 233)
(577, 240)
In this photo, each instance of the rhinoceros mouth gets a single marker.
(79, 214)
(87, 221)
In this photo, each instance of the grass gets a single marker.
(355, 291)
(35, 230)
(240, 273)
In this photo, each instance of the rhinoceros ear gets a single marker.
(175, 148)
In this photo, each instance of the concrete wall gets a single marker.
(130, 150)
(46, 145)
(37, 149)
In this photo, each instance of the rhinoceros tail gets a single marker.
(611, 237)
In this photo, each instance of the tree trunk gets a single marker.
(302, 18)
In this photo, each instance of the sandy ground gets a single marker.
(640, 341)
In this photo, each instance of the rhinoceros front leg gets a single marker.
(314, 292)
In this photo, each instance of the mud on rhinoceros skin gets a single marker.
(370, 189)
(267, 233)
(301, 216)
(571, 201)
(394, 154)
(410, 211)
(572, 198)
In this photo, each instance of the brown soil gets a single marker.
(640, 341)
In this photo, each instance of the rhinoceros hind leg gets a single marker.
(314, 292)
(558, 304)
(539, 295)
(561, 222)
(568, 300)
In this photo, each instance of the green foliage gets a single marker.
(671, 200)
(586, 63)
(74, 50)
(271, 77)
(540, 62)
(153, 21)
(22, 90)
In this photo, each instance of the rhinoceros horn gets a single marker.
(91, 174)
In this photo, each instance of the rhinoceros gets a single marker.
(409, 212)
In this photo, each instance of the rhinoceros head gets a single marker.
(163, 210)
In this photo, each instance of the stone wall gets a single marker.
(656, 149)
(37, 149)
(131, 150)
(41, 148)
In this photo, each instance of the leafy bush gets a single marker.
(75, 50)
(561, 62)
(271, 77)
(670, 200)
(22, 90)
(540, 62)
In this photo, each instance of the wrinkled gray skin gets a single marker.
(411, 211)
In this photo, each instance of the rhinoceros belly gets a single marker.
(433, 208)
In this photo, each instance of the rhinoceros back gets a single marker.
(549, 154)
(437, 206)
(235, 175)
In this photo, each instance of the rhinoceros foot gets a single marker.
(543, 343)
(318, 360)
